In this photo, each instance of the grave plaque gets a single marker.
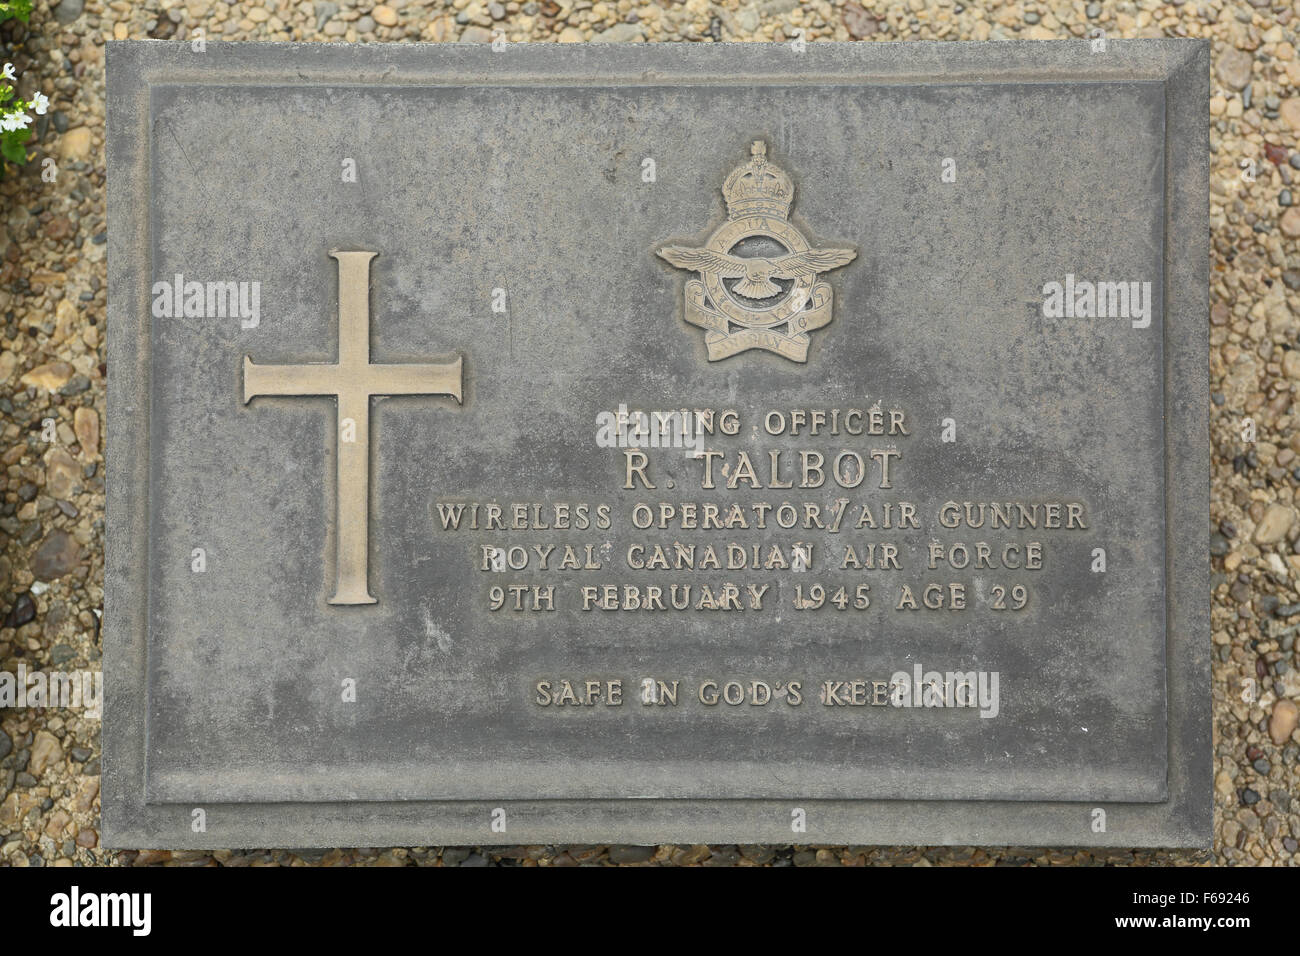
(702, 443)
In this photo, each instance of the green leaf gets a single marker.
(19, 9)
(11, 145)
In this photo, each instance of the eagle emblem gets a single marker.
(758, 285)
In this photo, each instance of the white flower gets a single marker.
(15, 121)
(8, 73)
(39, 102)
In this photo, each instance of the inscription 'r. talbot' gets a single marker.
(353, 380)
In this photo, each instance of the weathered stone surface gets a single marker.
(59, 228)
(62, 474)
(52, 376)
(75, 144)
(10, 809)
(57, 555)
(1290, 222)
(1234, 68)
(620, 33)
(858, 22)
(1275, 524)
(1290, 112)
(1283, 721)
(325, 718)
(68, 10)
(23, 610)
(86, 422)
(45, 752)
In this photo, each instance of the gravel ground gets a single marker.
(52, 308)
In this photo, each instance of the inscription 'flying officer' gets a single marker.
(353, 381)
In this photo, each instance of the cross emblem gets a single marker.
(353, 380)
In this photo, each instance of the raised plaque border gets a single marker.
(1183, 820)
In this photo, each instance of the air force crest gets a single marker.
(758, 285)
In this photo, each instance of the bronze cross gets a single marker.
(353, 380)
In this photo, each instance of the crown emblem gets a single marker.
(759, 284)
(758, 188)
